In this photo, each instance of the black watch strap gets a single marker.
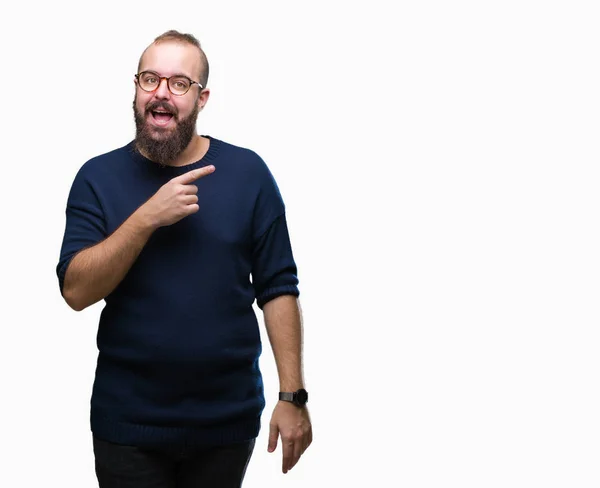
(287, 396)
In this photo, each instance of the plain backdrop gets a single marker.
(439, 163)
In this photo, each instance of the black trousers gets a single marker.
(119, 466)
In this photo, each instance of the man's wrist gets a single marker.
(298, 397)
(142, 221)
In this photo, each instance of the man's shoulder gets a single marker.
(112, 155)
(106, 161)
(241, 156)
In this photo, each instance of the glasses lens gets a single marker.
(148, 81)
(179, 85)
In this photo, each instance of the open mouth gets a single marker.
(161, 117)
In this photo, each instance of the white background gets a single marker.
(439, 163)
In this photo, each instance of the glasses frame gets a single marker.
(160, 78)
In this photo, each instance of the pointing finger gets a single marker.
(194, 175)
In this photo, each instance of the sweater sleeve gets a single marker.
(274, 271)
(85, 224)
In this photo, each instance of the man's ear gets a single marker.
(203, 98)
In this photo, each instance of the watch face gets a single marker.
(301, 396)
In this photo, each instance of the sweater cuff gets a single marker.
(61, 271)
(276, 291)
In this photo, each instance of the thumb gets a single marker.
(273, 434)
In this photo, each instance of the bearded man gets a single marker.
(179, 234)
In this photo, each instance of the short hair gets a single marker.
(173, 35)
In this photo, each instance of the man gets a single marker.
(168, 231)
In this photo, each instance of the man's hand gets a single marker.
(174, 200)
(293, 424)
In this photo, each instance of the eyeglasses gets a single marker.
(178, 85)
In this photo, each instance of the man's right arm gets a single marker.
(96, 271)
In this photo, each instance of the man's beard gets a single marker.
(171, 142)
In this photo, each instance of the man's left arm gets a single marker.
(275, 280)
(283, 321)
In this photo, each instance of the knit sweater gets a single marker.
(178, 339)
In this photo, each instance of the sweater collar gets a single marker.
(208, 158)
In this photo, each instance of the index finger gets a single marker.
(194, 175)
(288, 455)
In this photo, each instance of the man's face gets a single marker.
(166, 123)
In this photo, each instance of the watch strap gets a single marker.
(286, 396)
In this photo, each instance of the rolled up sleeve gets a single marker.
(85, 224)
(274, 271)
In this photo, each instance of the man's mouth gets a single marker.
(161, 117)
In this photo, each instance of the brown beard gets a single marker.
(164, 150)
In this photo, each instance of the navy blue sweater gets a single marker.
(178, 339)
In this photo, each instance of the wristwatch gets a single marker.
(298, 397)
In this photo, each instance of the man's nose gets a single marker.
(163, 89)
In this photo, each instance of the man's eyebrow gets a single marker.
(182, 74)
(174, 74)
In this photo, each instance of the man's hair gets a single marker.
(173, 35)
